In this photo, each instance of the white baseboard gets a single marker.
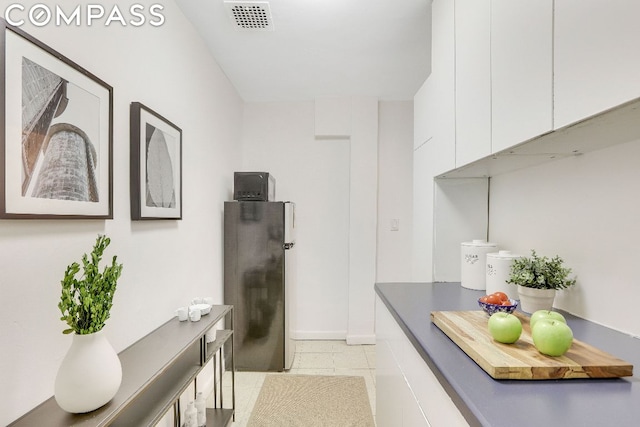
(361, 339)
(334, 335)
(319, 335)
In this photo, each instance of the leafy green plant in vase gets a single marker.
(91, 373)
(538, 278)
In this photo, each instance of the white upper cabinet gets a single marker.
(443, 82)
(423, 114)
(521, 70)
(596, 55)
(434, 103)
(473, 80)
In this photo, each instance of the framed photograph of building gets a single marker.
(156, 165)
(56, 126)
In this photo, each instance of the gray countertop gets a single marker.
(488, 402)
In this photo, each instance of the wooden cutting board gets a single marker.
(521, 360)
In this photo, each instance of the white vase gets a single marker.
(90, 374)
(532, 300)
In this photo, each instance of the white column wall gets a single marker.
(279, 138)
(339, 191)
(363, 220)
(395, 191)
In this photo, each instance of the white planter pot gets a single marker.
(532, 300)
(89, 376)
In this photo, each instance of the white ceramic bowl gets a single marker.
(204, 308)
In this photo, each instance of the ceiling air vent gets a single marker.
(250, 15)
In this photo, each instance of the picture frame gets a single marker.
(156, 165)
(56, 134)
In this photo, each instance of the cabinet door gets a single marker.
(389, 385)
(434, 103)
(596, 59)
(424, 114)
(407, 392)
(521, 70)
(443, 79)
(473, 80)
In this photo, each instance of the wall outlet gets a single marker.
(395, 224)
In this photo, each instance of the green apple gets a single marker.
(505, 327)
(552, 337)
(546, 314)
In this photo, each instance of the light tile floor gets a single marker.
(311, 358)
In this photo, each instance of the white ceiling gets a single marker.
(321, 48)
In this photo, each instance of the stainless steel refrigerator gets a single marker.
(259, 269)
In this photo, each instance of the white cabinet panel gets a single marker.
(596, 60)
(389, 386)
(434, 103)
(442, 79)
(521, 70)
(434, 134)
(412, 415)
(473, 80)
(423, 114)
(432, 398)
(407, 392)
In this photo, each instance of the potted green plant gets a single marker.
(538, 278)
(90, 373)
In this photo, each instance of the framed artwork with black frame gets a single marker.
(56, 130)
(156, 165)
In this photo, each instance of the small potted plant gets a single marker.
(538, 279)
(90, 373)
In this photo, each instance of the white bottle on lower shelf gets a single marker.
(201, 408)
(191, 415)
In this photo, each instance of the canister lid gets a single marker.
(479, 243)
(504, 255)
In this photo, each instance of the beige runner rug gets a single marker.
(312, 401)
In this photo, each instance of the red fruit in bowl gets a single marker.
(501, 295)
(494, 299)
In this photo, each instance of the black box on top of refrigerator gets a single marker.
(254, 186)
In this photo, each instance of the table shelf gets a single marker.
(156, 370)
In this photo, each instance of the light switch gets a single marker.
(395, 224)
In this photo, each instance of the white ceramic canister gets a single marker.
(474, 263)
(498, 272)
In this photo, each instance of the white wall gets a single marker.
(395, 175)
(363, 219)
(586, 210)
(279, 138)
(315, 173)
(166, 263)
